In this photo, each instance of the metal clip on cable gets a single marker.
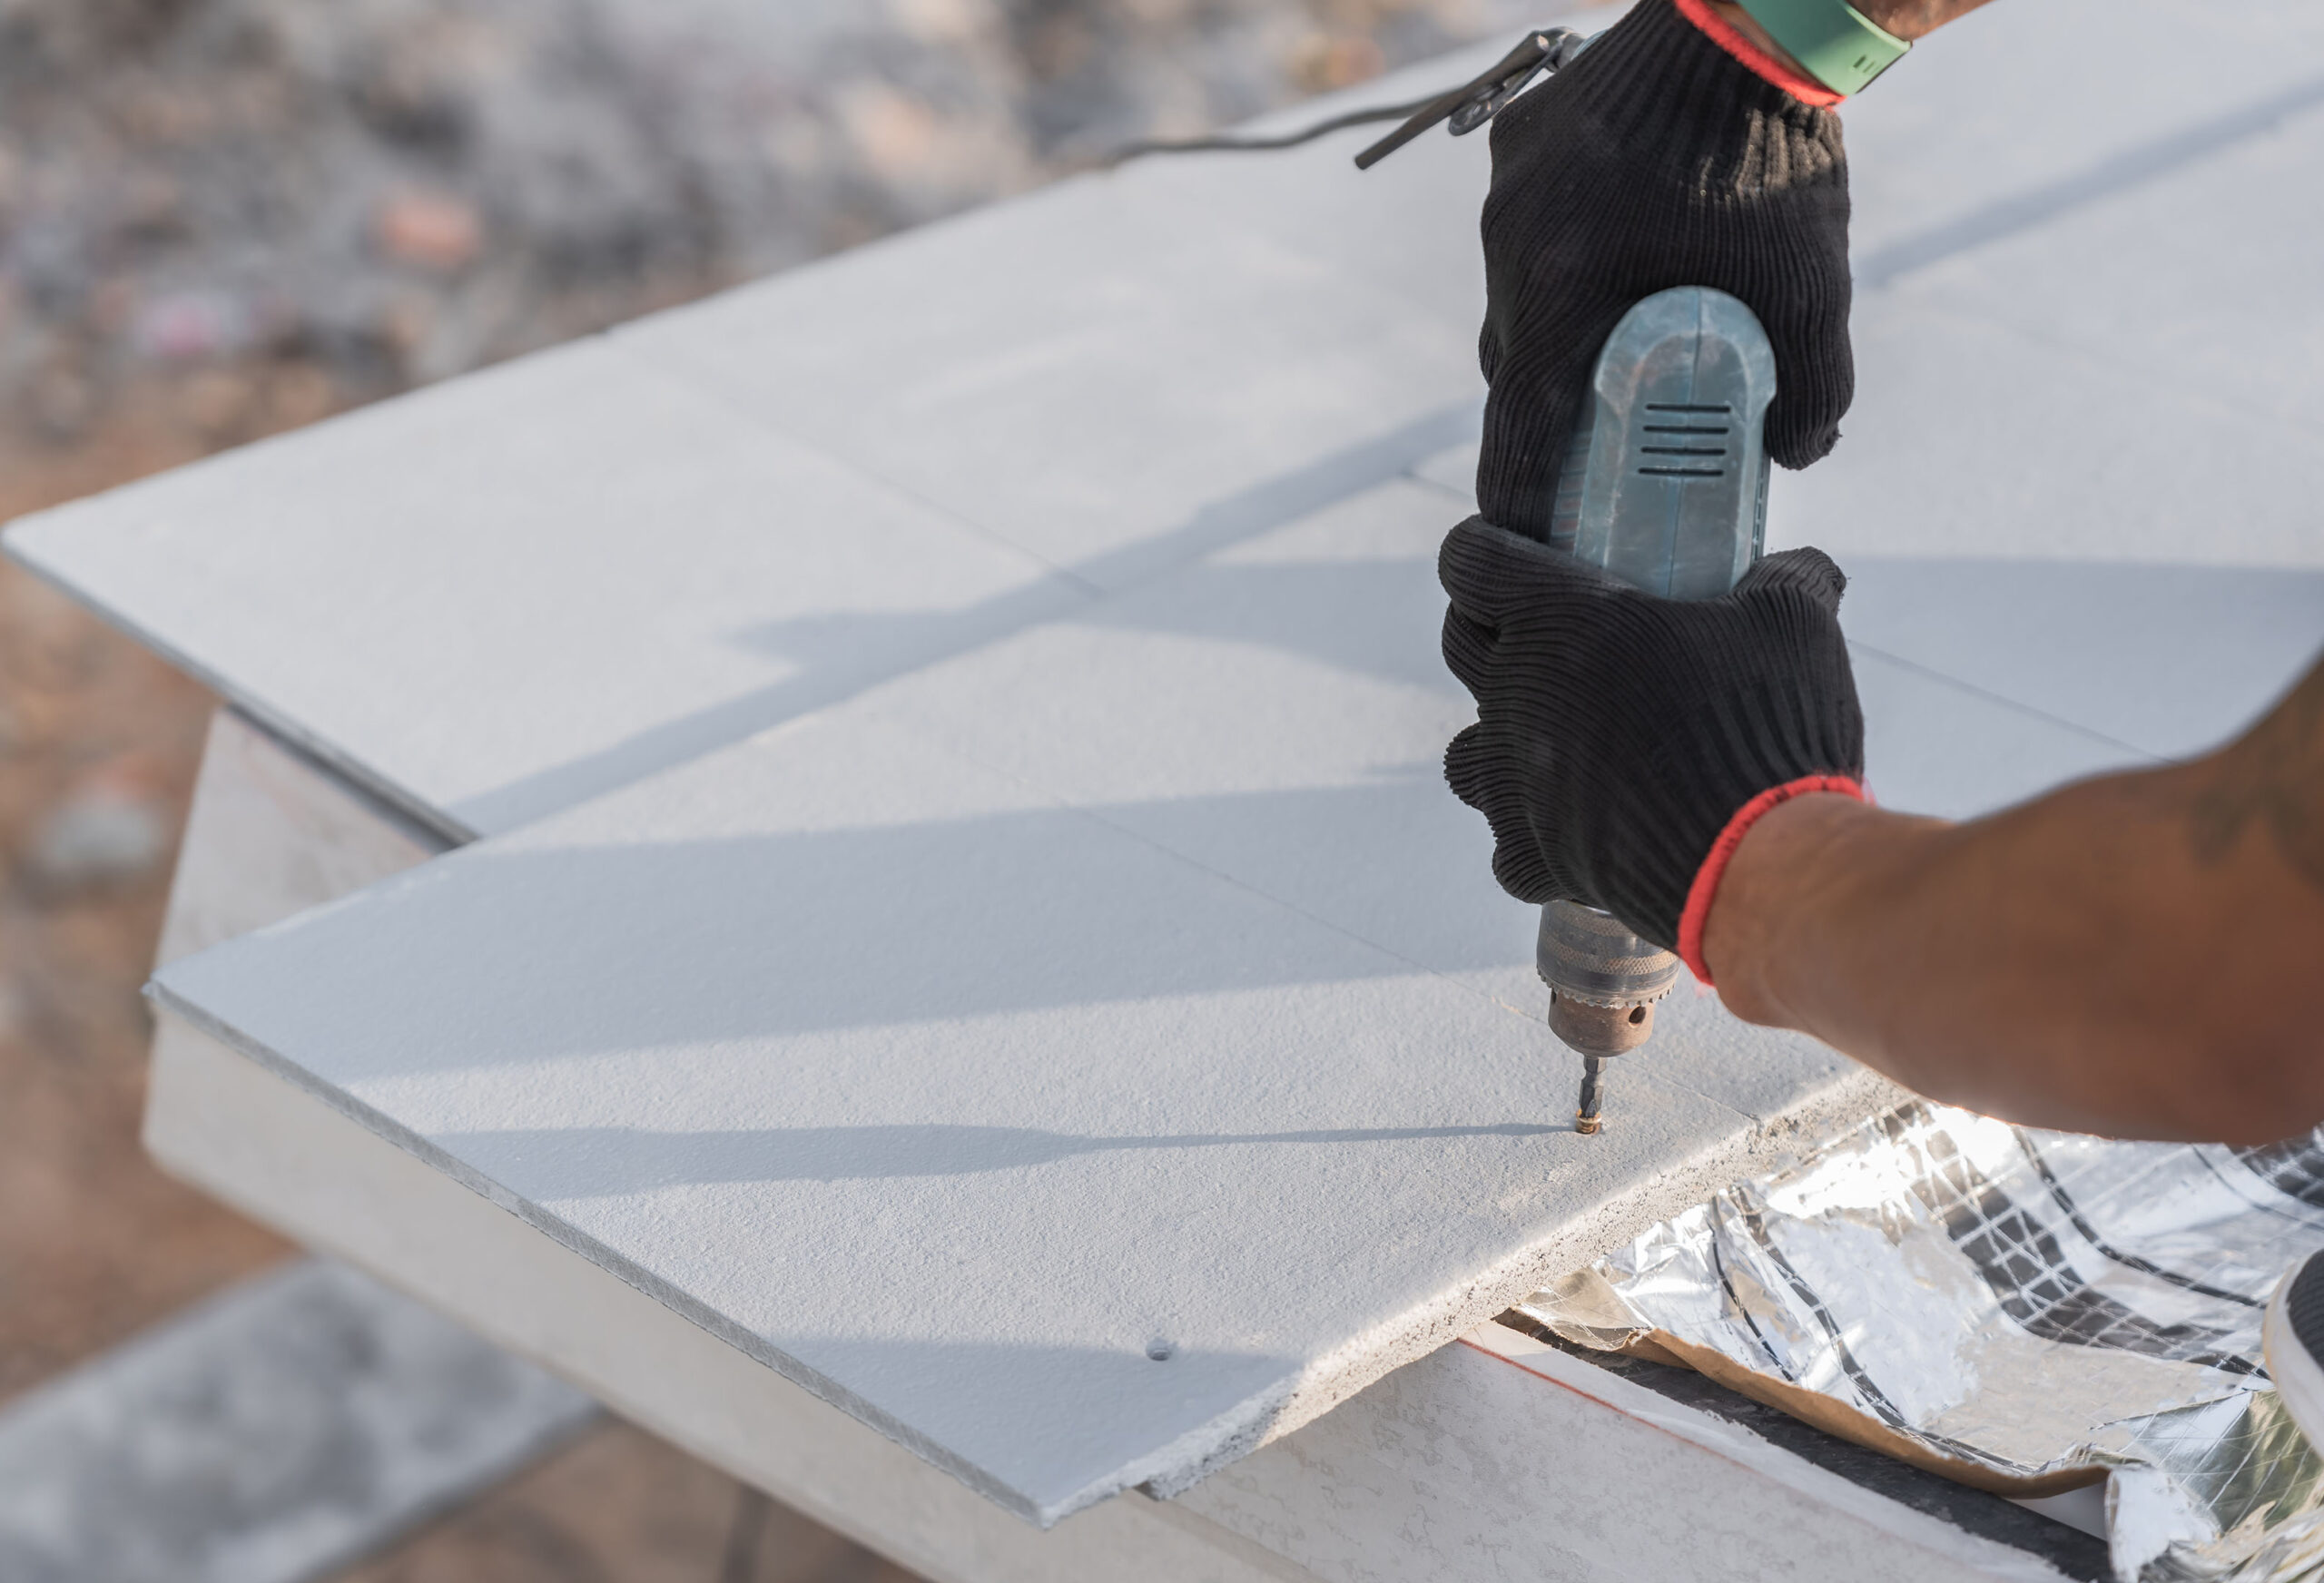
(1479, 100)
(1467, 107)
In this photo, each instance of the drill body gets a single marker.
(1665, 485)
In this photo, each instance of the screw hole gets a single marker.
(1160, 1352)
(1637, 1014)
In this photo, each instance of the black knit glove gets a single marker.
(1656, 160)
(1618, 734)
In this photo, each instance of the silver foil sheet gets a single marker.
(2025, 1311)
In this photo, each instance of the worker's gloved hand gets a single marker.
(1656, 160)
(1619, 735)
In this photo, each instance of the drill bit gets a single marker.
(1593, 1094)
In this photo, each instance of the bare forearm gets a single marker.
(1907, 19)
(1914, 18)
(2140, 955)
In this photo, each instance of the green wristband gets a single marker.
(1831, 38)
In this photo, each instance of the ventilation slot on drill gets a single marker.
(1675, 469)
(1680, 432)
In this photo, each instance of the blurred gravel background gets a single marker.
(220, 219)
(229, 216)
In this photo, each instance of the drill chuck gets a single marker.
(1665, 485)
(1603, 983)
(1603, 980)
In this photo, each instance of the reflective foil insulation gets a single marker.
(2026, 1312)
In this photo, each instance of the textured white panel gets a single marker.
(2200, 277)
(1102, 374)
(952, 1102)
(1483, 1461)
(2006, 119)
(1969, 437)
(2165, 660)
(1408, 224)
(1278, 714)
(1130, 981)
(498, 597)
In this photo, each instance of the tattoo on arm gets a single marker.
(2274, 775)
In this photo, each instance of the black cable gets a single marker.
(1226, 143)
(1467, 107)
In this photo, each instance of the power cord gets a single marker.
(1467, 107)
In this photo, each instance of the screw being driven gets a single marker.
(1593, 1094)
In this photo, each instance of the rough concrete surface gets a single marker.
(285, 1425)
(617, 1504)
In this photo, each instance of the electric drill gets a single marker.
(1665, 485)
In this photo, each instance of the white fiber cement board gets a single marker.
(1116, 374)
(276, 1153)
(2166, 660)
(2023, 112)
(1359, 1491)
(1435, 1474)
(1102, 374)
(2085, 322)
(1409, 224)
(2000, 126)
(501, 595)
(506, 593)
(2198, 277)
(952, 1102)
(948, 1072)
(1283, 705)
(1971, 438)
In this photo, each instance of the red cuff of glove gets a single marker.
(1723, 34)
(1704, 889)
